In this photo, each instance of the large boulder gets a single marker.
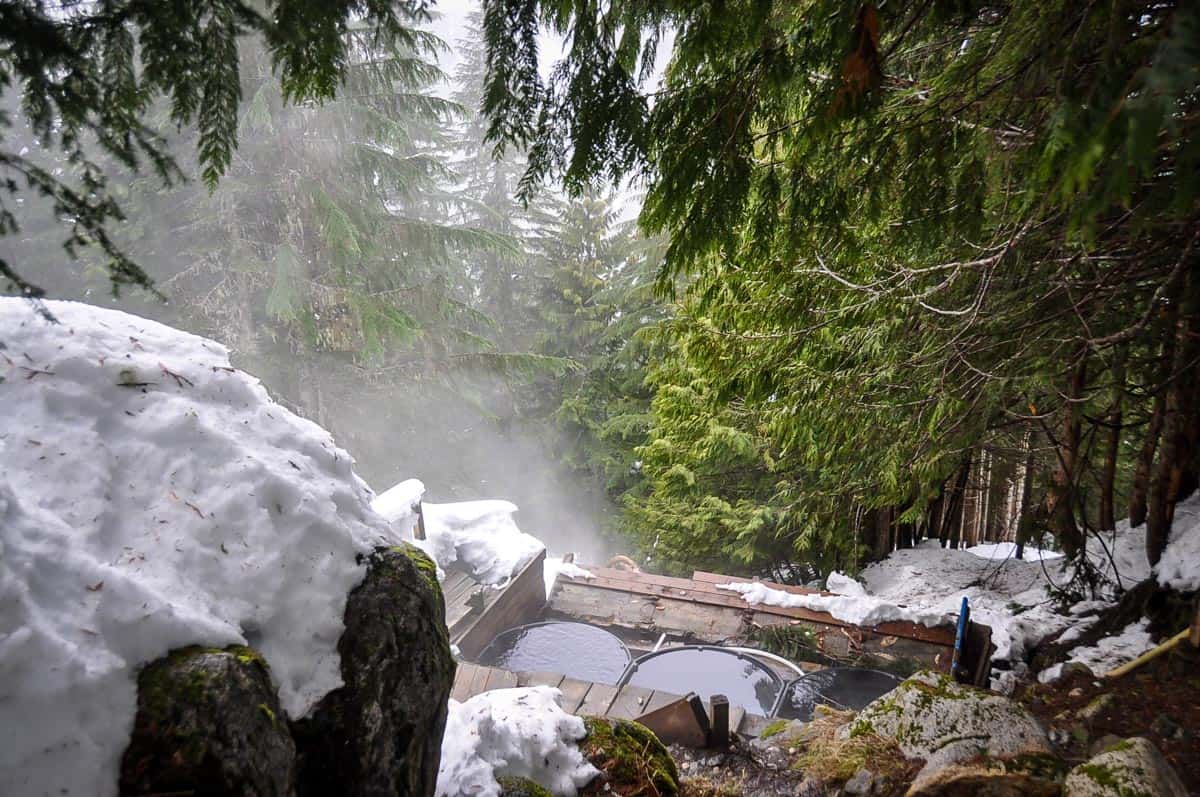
(381, 732)
(1132, 767)
(209, 722)
(971, 740)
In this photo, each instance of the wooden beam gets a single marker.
(680, 721)
(719, 710)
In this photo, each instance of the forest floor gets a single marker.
(1159, 701)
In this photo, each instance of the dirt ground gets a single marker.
(1160, 701)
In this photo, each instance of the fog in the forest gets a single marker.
(261, 265)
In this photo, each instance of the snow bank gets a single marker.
(482, 535)
(1109, 652)
(514, 732)
(858, 609)
(151, 496)
(1008, 550)
(1180, 564)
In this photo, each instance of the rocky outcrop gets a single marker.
(209, 722)
(381, 732)
(972, 741)
(1132, 767)
(630, 757)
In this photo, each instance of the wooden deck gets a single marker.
(581, 697)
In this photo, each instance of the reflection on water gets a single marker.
(708, 672)
(576, 650)
(840, 687)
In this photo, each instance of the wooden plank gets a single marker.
(630, 702)
(718, 711)
(573, 693)
(539, 678)
(658, 700)
(521, 601)
(736, 715)
(597, 701)
(462, 681)
(681, 721)
(500, 679)
(719, 578)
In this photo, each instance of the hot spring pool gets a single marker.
(709, 671)
(576, 650)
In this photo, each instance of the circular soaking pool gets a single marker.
(577, 650)
(840, 687)
(709, 671)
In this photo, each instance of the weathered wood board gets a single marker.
(520, 601)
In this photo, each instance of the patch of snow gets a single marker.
(1179, 567)
(842, 584)
(1109, 652)
(398, 504)
(1008, 595)
(554, 565)
(860, 610)
(152, 496)
(482, 535)
(1008, 550)
(515, 732)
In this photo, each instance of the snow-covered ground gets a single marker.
(515, 732)
(1014, 596)
(152, 496)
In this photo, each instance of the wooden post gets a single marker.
(1195, 636)
(719, 708)
(419, 531)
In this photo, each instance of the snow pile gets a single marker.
(151, 496)
(1108, 653)
(842, 584)
(554, 566)
(859, 609)
(399, 505)
(482, 535)
(1008, 550)
(514, 732)
(1180, 564)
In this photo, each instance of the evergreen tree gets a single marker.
(917, 234)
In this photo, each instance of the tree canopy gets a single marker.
(90, 75)
(917, 237)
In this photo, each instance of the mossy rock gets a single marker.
(521, 787)
(208, 722)
(1132, 768)
(632, 759)
(381, 732)
(773, 729)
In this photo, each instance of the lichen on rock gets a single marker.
(207, 723)
(631, 758)
(1131, 768)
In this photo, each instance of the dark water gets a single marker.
(840, 687)
(576, 650)
(707, 672)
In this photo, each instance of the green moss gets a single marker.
(774, 729)
(265, 709)
(425, 565)
(1101, 774)
(521, 787)
(629, 753)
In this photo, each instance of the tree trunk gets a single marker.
(1108, 476)
(952, 523)
(1025, 508)
(1141, 473)
(1180, 425)
(1060, 497)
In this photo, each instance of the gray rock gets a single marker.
(381, 732)
(1103, 743)
(930, 716)
(1060, 737)
(1134, 766)
(1098, 706)
(862, 783)
(208, 722)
